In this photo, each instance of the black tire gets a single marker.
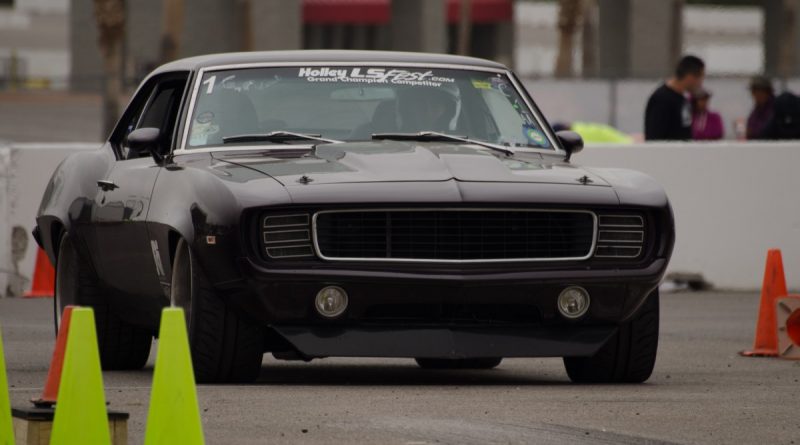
(460, 363)
(628, 357)
(121, 345)
(225, 347)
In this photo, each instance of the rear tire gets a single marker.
(629, 355)
(460, 363)
(121, 345)
(225, 347)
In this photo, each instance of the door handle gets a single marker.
(106, 185)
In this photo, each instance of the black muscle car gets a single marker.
(360, 204)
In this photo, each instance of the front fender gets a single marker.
(200, 200)
(633, 188)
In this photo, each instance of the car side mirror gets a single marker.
(143, 140)
(571, 141)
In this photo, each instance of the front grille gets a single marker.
(456, 235)
(620, 236)
(287, 236)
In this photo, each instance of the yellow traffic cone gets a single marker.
(6, 427)
(174, 416)
(81, 416)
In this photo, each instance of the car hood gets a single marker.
(401, 161)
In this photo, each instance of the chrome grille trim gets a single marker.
(271, 250)
(304, 236)
(319, 253)
(630, 221)
(613, 236)
(620, 236)
(620, 251)
(286, 236)
(303, 221)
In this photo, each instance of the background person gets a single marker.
(763, 107)
(706, 124)
(668, 115)
(785, 122)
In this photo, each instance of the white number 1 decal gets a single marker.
(210, 82)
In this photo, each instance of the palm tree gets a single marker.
(464, 27)
(569, 15)
(787, 43)
(246, 38)
(589, 39)
(110, 17)
(171, 29)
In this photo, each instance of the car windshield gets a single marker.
(352, 103)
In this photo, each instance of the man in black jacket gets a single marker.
(785, 122)
(668, 116)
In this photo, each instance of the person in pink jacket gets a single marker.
(706, 124)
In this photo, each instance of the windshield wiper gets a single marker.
(277, 136)
(429, 136)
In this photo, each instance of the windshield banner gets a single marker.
(373, 76)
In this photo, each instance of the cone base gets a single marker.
(38, 422)
(759, 353)
(28, 413)
(41, 403)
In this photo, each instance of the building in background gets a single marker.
(366, 24)
(46, 42)
(210, 26)
(728, 37)
(34, 44)
(52, 44)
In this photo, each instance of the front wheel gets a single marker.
(121, 345)
(225, 347)
(459, 363)
(628, 357)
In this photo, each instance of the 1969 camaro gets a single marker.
(358, 204)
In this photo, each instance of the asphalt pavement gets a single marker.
(701, 391)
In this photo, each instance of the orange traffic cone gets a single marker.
(44, 278)
(774, 287)
(50, 392)
(789, 327)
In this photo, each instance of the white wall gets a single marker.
(5, 229)
(25, 170)
(732, 201)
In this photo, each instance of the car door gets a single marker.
(126, 257)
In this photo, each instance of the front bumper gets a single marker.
(458, 315)
(323, 341)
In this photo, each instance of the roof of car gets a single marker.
(323, 56)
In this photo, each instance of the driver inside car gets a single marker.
(425, 109)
